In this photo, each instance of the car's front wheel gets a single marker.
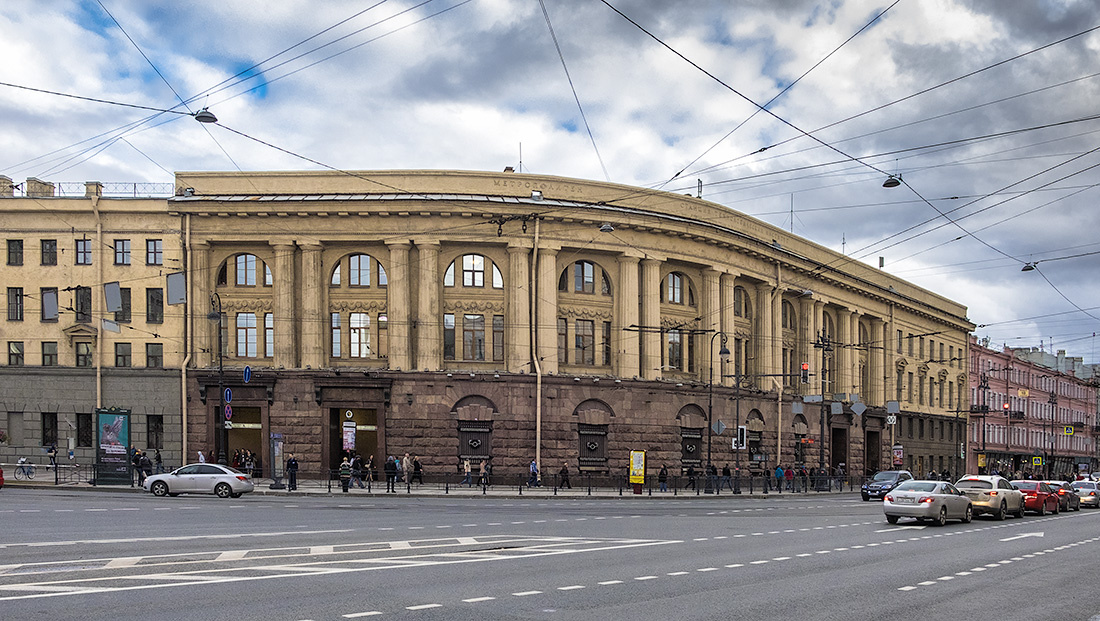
(223, 490)
(893, 519)
(866, 497)
(159, 488)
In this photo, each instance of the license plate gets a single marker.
(904, 500)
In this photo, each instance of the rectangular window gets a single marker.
(910, 337)
(383, 346)
(607, 343)
(154, 306)
(690, 352)
(359, 270)
(154, 431)
(122, 252)
(246, 270)
(900, 386)
(123, 357)
(920, 348)
(563, 340)
(48, 313)
(49, 252)
(498, 338)
(920, 390)
(15, 304)
(83, 252)
(154, 355)
(83, 429)
(154, 252)
(473, 337)
(910, 419)
(584, 277)
(951, 395)
(49, 354)
(359, 333)
(584, 342)
(739, 356)
(675, 350)
(909, 388)
(123, 316)
(83, 354)
(269, 335)
(448, 336)
(246, 335)
(15, 252)
(900, 339)
(84, 305)
(473, 270)
(334, 324)
(15, 353)
(49, 428)
(920, 429)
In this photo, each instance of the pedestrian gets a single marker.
(202, 458)
(53, 457)
(345, 474)
(727, 478)
(788, 475)
(533, 469)
(564, 476)
(146, 466)
(662, 478)
(780, 475)
(691, 477)
(466, 472)
(712, 476)
(418, 470)
(483, 473)
(159, 461)
(368, 473)
(291, 473)
(391, 474)
(135, 462)
(357, 471)
(407, 468)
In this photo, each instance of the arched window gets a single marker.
(473, 272)
(581, 278)
(790, 320)
(741, 307)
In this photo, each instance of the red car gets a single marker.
(1038, 496)
(1, 477)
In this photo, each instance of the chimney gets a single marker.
(6, 187)
(37, 187)
(93, 188)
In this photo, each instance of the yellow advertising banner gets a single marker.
(981, 460)
(637, 467)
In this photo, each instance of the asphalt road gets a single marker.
(120, 556)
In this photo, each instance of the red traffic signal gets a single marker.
(1004, 407)
(805, 372)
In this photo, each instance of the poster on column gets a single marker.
(112, 454)
(349, 435)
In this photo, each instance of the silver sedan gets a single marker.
(938, 501)
(222, 481)
(1089, 491)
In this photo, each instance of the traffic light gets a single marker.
(1004, 406)
(805, 372)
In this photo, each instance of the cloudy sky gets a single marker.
(985, 109)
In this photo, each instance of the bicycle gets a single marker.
(25, 470)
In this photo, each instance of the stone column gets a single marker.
(202, 279)
(313, 317)
(763, 335)
(286, 351)
(875, 392)
(857, 379)
(547, 312)
(517, 321)
(429, 335)
(651, 319)
(711, 311)
(727, 285)
(806, 337)
(818, 381)
(843, 350)
(397, 307)
(776, 342)
(889, 340)
(624, 334)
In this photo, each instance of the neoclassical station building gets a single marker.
(457, 315)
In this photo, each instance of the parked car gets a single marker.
(1067, 496)
(1088, 491)
(1038, 496)
(880, 484)
(992, 494)
(938, 501)
(223, 481)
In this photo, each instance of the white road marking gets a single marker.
(680, 573)
(526, 593)
(423, 606)
(474, 600)
(735, 565)
(640, 578)
(572, 587)
(704, 569)
(609, 582)
(355, 615)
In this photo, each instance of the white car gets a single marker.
(992, 494)
(1089, 491)
(938, 501)
(222, 481)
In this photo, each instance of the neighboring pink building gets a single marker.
(1027, 418)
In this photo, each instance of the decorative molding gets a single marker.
(358, 305)
(251, 305)
(474, 306)
(586, 312)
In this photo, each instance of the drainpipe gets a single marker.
(99, 329)
(187, 325)
(535, 347)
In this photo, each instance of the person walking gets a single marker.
(202, 458)
(563, 474)
(533, 480)
(662, 478)
(146, 465)
(390, 470)
(407, 468)
(292, 473)
(135, 462)
(483, 473)
(691, 477)
(727, 478)
(345, 474)
(53, 457)
(159, 461)
(779, 476)
(418, 470)
(357, 471)
(789, 476)
(466, 472)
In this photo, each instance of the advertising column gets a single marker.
(112, 438)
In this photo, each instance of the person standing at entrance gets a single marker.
(564, 474)
(418, 471)
(662, 478)
(391, 474)
(291, 473)
(779, 476)
(345, 474)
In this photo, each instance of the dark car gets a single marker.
(881, 484)
(1, 477)
(1068, 499)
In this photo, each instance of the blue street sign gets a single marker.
(247, 374)
(229, 395)
(228, 411)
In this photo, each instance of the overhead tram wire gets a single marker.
(779, 94)
(573, 88)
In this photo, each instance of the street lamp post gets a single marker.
(220, 436)
(723, 356)
(1053, 401)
